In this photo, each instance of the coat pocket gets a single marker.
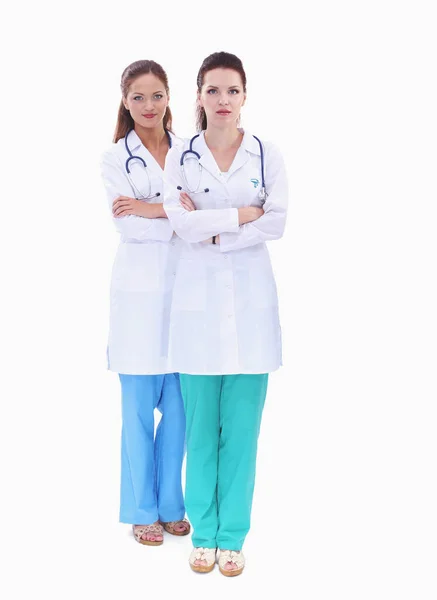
(262, 288)
(137, 268)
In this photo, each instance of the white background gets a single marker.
(345, 504)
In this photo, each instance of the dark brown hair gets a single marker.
(218, 60)
(141, 67)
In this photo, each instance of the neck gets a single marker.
(151, 138)
(222, 138)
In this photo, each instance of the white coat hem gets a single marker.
(246, 372)
(131, 371)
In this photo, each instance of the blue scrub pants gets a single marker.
(151, 487)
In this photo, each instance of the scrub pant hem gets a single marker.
(199, 543)
(227, 545)
(166, 517)
(138, 519)
(143, 519)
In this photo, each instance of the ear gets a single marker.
(244, 100)
(125, 104)
(199, 101)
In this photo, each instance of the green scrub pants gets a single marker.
(223, 417)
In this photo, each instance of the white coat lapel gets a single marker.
(240, 159)
(146, 182)
(248, 146)
(151, 162)
(138, 149)
(206, 160)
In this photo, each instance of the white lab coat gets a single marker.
(144, 268)
(224, 317)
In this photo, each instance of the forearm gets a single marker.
(200, 225)
(141, 229)
(152, 211)
(267, 228)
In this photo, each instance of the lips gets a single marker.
(223, 112)
(149, 116)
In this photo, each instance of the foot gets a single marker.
(181, 527)
(202, 560)
(150, 535)
(231, 562)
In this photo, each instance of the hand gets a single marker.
(123, 206)
(186, 202)
(247, 214)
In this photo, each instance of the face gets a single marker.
(222, 97)
(147, 100)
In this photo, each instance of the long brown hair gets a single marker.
(218, 60)
(141, 67)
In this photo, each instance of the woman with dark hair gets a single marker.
(151, 496)
(225, 196)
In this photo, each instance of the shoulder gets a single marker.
(271, 150)
(179, 145)
(176, 141)
(183, 143)
(111, 156)
(255, 145)
(273, 157)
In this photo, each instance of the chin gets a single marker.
(150, 123)
(223, 123)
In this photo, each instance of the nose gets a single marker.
(224, 99)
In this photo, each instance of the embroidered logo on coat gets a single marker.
(255, 182)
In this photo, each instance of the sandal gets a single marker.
(170, 527)
(206, 554)
(232, 556)
(155, 529)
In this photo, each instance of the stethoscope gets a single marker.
(141, 195)
(196, 156)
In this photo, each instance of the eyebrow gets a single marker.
(215, 87)
(141, 93)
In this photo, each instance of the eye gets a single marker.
(158, 96)
(234, 92)
(138, 98)
(211, 91)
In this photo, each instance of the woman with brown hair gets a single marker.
(151, 496)
(226, 197)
